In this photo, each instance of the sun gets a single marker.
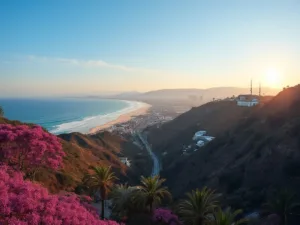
(273, 78)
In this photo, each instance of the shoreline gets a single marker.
(122, 118)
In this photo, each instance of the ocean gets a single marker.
(68, 114)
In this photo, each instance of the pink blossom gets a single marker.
(166, 216)
(27, 148)
(25, 203)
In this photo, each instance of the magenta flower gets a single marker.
(166, 216)
(25, 203)
(27, 148)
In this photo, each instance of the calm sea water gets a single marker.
(65, 115)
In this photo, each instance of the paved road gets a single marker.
(156, 166)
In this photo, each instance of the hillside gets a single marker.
(107, 148)
(84, 151)
(250, 160)
(172, 136)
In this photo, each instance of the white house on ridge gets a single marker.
(247, 100)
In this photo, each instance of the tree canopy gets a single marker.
(27, 148)
(101, 180)
(199, 206)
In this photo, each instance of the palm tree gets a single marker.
(283, 204)
(123, 199)
(101, 181)
(199, 206)
(228, 217)
(151, 192)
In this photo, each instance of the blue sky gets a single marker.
(62, 47)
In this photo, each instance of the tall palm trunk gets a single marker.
(103, 196)
(285, 219)
(151, 205)
(102, 209)
(200, 221)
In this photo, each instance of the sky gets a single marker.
(75, 47)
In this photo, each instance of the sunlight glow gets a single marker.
(273, 78)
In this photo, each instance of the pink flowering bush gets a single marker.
(26, 203)
(165, 216)
(28, 148)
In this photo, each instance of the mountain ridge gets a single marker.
(187, 94)
(250, 160)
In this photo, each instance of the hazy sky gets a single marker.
(60, 47)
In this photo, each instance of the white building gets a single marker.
(125, 161)
(208, 138)
(247, 100)
(200, 143)
(199, 134)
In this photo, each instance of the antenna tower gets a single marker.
(259, 89)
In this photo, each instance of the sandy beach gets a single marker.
(122, 118)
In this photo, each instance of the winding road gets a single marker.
(156, 166)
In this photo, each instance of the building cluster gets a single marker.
(199, 140)
(140, 123)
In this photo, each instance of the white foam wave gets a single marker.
(87, 123)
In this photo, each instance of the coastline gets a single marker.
(125, 117)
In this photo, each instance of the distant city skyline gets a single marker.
(57, 48)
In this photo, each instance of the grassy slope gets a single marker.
(250, 160)
(108, 148)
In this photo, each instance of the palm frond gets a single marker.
(198, 206)
(152, 192)
(228, 217)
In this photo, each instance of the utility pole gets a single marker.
(259, 89)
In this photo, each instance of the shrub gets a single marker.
(64, 179)
(165, 216)
(26, 203)
(28, 148)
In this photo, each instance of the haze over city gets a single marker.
(88, 47)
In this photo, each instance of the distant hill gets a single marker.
(83, 151)
(248, 160)
(131, 94)
(204, 95)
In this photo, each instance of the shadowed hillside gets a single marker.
(250, 160)
(214, 117)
